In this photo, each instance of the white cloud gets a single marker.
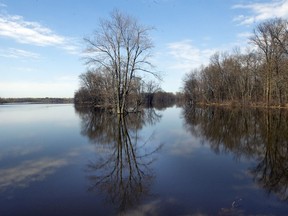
(15, 27)
(262, 11)
(18, 53)
(186, 56)
(3, 5)
(24, 69)
(244, 35)
(178, 58)
(184, 53)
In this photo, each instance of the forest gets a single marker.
(256, 77)
(118, 59)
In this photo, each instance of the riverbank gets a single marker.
(45, 100)
(233, 104)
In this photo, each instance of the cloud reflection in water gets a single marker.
(27, 172)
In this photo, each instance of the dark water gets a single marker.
(57, 160)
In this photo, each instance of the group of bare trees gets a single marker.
(97, 89)
(116, 54)
(258, 76)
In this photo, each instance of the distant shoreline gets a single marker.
(45, 100)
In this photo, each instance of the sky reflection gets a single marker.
(169, 162)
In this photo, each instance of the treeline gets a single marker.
(257, 77)
(96, 89)
(37, 100)
(160, 99)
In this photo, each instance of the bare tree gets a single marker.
(270, 37)
(96, 88)
(150, 88)
(280, 33)
(191, 87)
(122, 46)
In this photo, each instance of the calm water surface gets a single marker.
(61, 160)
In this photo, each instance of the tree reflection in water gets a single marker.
(123, 171)
(250, 133)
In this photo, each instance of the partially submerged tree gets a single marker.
(95, 89)
(120, 47)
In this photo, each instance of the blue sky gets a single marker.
(41, 41)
